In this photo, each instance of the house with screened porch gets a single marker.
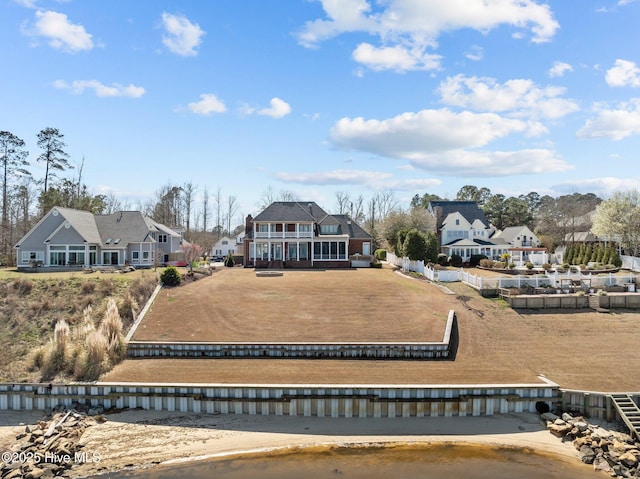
(67, 238)
(296, 234)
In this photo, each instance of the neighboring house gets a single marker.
(224, 246)
(295, 234)
(67, 237)
(463, 230)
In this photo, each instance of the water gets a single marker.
(397, 462)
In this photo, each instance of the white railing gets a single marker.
(284, 234)
(548, 279)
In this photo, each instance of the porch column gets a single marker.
(283, 254)
(297, 247)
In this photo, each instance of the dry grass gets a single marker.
(31, 305)
(577, 349)
(338, 305)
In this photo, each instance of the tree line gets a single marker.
(207, 215)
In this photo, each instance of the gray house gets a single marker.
(66, 237)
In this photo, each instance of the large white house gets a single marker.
(463, 229)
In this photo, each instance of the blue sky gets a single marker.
(315, 97)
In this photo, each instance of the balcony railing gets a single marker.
(284, 234)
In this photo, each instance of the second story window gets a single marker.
(162, 238)
(328, 229)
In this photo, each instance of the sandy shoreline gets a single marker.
(133, 439)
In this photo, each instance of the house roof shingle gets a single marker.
(291, 211)
(468, 209)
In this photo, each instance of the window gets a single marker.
(145, 256)
(225, 242)
(263, 228)
(162, 238)
(457, 222)
(304, 228)
(135, 256)
(32, 256)
(328, 229)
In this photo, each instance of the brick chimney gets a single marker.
(248, 226)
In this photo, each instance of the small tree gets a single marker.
(415, 245)
(228, 261)
(170, 276)
(191, 252)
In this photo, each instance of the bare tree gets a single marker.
(188, 190)
(232, 209)
(343, 200)
(356, 210)
(218, 200)
(387, 202)
(112, 204)
(205, 208)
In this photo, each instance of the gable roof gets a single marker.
(468, 209)
(509, 233)
(115, 230)
(293, 211)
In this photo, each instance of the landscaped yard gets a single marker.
(581, 350)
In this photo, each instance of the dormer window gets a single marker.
(328, 229)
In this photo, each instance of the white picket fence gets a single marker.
(539, 280)
(547, 279)
(406, 264)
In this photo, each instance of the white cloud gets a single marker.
(335, 177)
(414, 25)
(101, 90)
(410, 135)
(616, 123)
(492, 163)
(475, 53)
(278, 109)
(559, 69)
(446, 142)
(600, 186)
(396, 58)
(209, 103)
(60, 32)
(626, 2)
(624, 73)
(181, 36)
(517, 97)
(27, 3)
(416, 184)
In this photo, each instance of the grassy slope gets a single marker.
(31, 304)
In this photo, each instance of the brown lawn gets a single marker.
(578, 350)
(337, 305)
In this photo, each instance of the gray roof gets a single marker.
(291, 211)
(308, 211)
(83, 222)
(468, 209)
(350, 227)
(125, 226)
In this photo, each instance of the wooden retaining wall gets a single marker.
(291, 400)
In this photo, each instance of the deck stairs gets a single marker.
(594, 303)
(628, 411)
